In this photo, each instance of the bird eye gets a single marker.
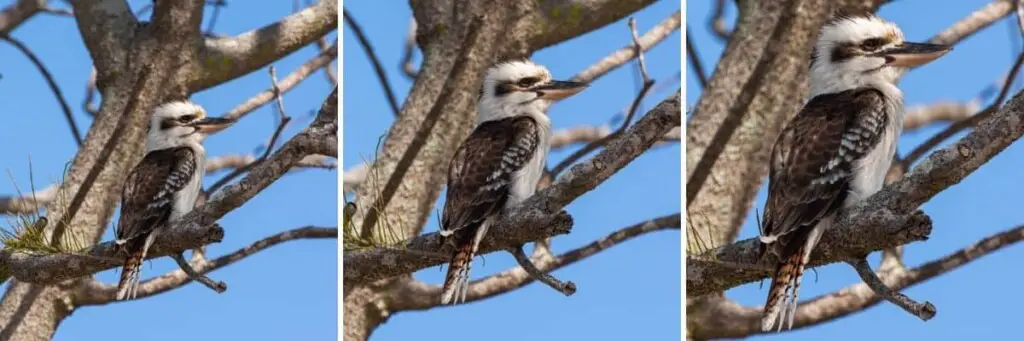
(872, 44)
(186, 118)
(526, 82)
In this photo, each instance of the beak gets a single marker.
(914, 54)
(212, 125)
(556, 90)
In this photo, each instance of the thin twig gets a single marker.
(925, 311)
(217, 4)
(648, 84)
(381, 75)
(566, 288)
(283, 121)
(290, 81)
(218, 286)
(655, 35)
(695, 63)
(971, 121)
(49, 81)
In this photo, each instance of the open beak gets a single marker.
(212, 125)
(556, 90)
(914, 54)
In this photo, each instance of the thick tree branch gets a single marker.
(562, 20)
(539, 217)
(722, 318)
(884, 220)
(14, 15)
(222, 59)
(415, 295)
(93, 292)
(107, 27)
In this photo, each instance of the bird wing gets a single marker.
(481, 170)
(812, 161)
(148, 194)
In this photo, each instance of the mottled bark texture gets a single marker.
(142, 65)
(887, 220)
(514, 29)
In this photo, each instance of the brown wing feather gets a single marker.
(148, 194)
(812, 161)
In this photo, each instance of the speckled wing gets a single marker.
(148, 194)
(481, 171)
(812, 161)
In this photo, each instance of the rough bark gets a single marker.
(138, 66)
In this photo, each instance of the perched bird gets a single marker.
(838, 148)
(499, 164)
(164, 186)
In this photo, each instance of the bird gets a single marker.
(164, 185)
(499, 165)
(837, 150)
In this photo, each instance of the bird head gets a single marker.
(861, 50)
(518, 87)
(180, 123)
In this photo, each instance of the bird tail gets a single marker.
(456, 282)
(130, 273)
(128, 286)
(783, 293)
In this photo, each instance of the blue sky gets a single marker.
(628, 292)
(286, 292)
(976, 301)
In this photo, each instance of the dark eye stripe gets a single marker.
(842, 53)
(167, 124)
(502, 89)
(528, 81)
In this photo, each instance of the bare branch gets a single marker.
(92, 292)
(695, 63)
(971, 121)
(287, 83)
(229, 58)
(14, 15)
(566, 288)
(49, 81)
(923, 115)
(923, 311)
(561, 20)
(382, 76)
(416, 295)
(974, 22)
(218, 287)
(716, 22)
(726, 319)
(620, 57)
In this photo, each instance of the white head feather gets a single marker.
(493, 106)
(829, 75)
(169, 126)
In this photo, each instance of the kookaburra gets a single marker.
(499, 164)
(838, 148)
(164, 186)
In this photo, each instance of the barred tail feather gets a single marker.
(130, 276)
(456, 282)
(782, 295)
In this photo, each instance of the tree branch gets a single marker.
(293, 79)
(372, 56)
(415, 295)
(93, 292)
(721, 318)
(14, 15)
(223, 59)
(562, 20)
(620, 57)
(923, 311)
